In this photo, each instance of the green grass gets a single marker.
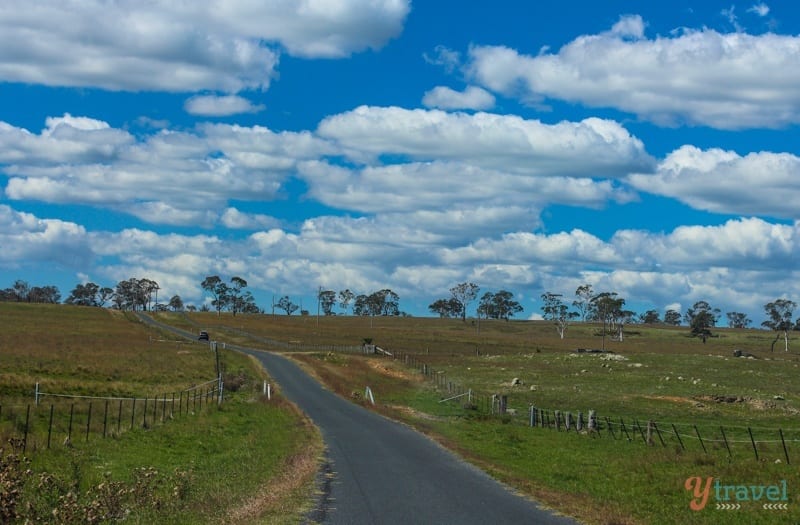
(662, 375)
(245, 458)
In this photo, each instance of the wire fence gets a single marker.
(761, 443)
(59, 419)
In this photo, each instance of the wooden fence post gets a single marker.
(753, 441)
(678, 436)
(701, 439)
(622, 425)
(88, 420)
(783, 442)
(610, 428)
(725, 439)
(69, 431)
(27, 427)
(105, 419)
(658, 433)
(50, 427)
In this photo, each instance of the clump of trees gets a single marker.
(232, 297)
(22, 292)
(90, 294)
(492, 305)
(383, 302)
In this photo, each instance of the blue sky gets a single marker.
(649, 149)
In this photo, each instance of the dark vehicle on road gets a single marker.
(203, 336)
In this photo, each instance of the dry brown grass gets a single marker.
(82, 350)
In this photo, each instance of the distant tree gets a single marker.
(176, 303)
(361, 305)
(345, 298)
(650, 317)
(327, 300)
(556, 311)
(672, 317)
(287, 305)
(584, 294)
(384, 302)
(500, 305)
(89, 294)
(22, 290)
(247, 304)
(464, 293)
(607, 308)
(218, 289)
(737, 320)
(235, 301)
(134, 294)
(701, 317)
(191, 308)
(446, 307)
(779, 313)
(49, 294)
(104, 295)
(83, 295)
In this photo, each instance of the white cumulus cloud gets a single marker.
(446, 98)
(182, 46)
(721, 181)
(220, 106)
(697, 77)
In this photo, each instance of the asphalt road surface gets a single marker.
(385, 473)
(382, 472)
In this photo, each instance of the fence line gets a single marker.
(33, 427)
(650, 433)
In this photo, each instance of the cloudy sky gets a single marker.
(651, 150)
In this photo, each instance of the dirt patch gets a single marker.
(415, 413)
(671, 399)
(390, 371)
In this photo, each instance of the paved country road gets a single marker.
(382, 472)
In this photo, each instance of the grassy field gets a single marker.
(244, 461)
(655, 373)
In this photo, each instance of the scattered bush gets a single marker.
(58, 501)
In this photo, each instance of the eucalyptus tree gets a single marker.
(672, 317)
(701, 317)
(219, 291)
(464, 293)
(779, 313)
(327, 300)
(737, 320)
(235, 295)
(345, 298)
(446, 307)
(650, 317)
(287, 305)
(499, 305)
(556, 311)
(582, 303)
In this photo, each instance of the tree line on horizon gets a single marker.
(607, 308)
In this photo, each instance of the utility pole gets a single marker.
(319, 298)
